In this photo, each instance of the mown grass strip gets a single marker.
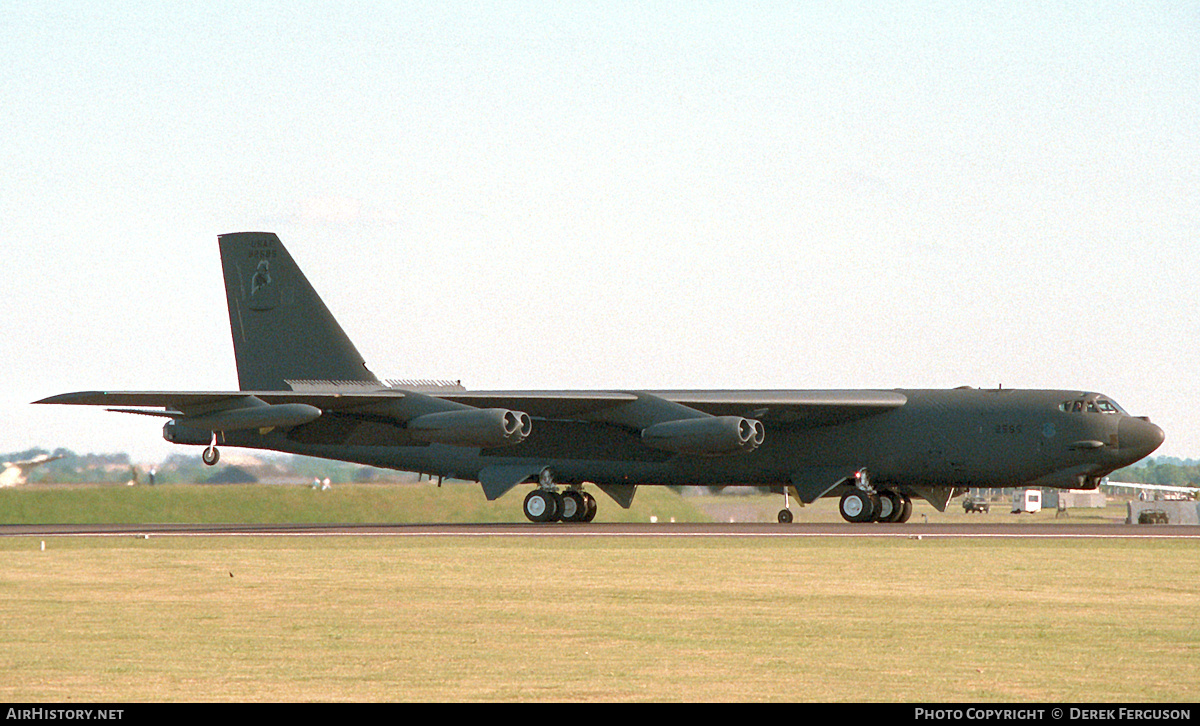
(463, 619)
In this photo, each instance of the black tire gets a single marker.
(876, 506)
(905, 511)
(211, 456)
(538, 506)
(857, 506)
(592, 507)
(785, 516)
(557, 500)
(574, 506)
(891, 507)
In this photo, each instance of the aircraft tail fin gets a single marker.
(281, 329)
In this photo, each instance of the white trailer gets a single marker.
(1027, 500)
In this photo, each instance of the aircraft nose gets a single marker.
(1137, 435)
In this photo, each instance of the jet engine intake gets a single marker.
(483, 427)
(711, 435)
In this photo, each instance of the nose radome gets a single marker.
(1139, 435)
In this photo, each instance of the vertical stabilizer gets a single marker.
(281, 329)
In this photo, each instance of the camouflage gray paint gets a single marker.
(305, 390)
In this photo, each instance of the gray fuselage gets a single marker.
(938, 438)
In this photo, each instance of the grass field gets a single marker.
(265, 503)
(428, 503)
(574, 619)
(460, 619)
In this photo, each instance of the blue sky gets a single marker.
(585, 195)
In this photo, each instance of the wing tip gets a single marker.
(76, 397)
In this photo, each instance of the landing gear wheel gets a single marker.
(557, 500)
(875, 506)
(211, 456)
(538, 507)
(891, 507)
(905, 510)
(857, 506)
(785, 516)
(590, 507)
(574, 506)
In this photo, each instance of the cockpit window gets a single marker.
(1091, 405)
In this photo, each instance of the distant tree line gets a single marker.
(187, 467)
(183, 467)
(75, 468)
(1165, 471)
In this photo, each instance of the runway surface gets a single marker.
(910, 531)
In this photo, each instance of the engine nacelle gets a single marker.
(178, 434)
(711, 435)
(281, 415)
(483, 427)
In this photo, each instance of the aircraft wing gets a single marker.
(792, 408)
(187, 401)
(783, 408)
(548, 404)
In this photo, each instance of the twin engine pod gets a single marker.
(711, 435)
(483, 427)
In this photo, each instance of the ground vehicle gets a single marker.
(1153, 516)
(976, 504)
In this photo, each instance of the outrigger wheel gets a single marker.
(211, 455)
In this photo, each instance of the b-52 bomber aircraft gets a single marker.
(304, 389)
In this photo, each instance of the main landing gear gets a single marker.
(547, 504)
(864, 504)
